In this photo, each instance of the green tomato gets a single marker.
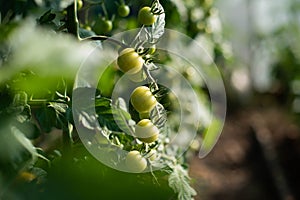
(135, 162)
(142, 99)
(146, 131)
(145, 16)
(129, 61)
(123, 10)
(79, 4)
(102, 26)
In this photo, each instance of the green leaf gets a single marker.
(179, 181)
(83, 33)
(159, 116)
(113, 117)
(29, 129)
(158, 28)
(26, 143)
(47, 17)
(102, 102)
(59, 108)
(19, 103)
(46, 117)
(88, 121)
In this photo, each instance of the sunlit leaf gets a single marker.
(158, 28)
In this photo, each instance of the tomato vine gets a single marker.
(37, 105)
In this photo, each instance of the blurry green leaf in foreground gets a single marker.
(46, 53)
(15, 149)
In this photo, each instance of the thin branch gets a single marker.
(149, 76)
(102, 38)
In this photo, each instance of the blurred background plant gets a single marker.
(257, 156)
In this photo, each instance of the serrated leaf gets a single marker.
(29, 129)
(46, 118)
(88, 121)
(159, 115)
(179, 181)
(103, 102)
(26, 143)
(158, 28)
(58, 107)
(114, 118)
(151, 66)
(47, 17)
(121, 104)
(19, 103)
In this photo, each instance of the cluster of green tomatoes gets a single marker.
(104, 25)
(142, 99)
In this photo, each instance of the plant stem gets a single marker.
(72, 23)
(104, 10)
(170, 158)
(102, 37)
(122, 2)
(149, 77)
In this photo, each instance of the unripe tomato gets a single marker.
(87, 27)
(123, 10)
(135, 162)
(129, 61)
(146, 131)
(102, 26)
(145, 16)
(79, 4)
(142, 99)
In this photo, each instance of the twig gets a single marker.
(102, 38)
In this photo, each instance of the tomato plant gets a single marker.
(41, 102)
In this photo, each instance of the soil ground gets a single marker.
(256, 157)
